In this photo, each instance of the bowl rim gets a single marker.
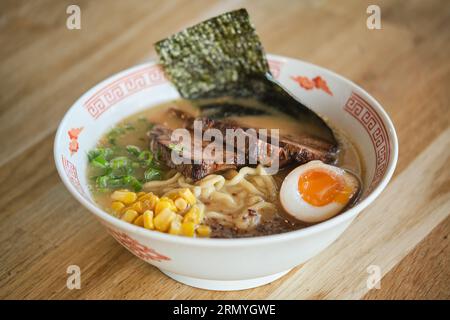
(233, 242)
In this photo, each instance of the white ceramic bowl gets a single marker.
(226, 264)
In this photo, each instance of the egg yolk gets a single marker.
(320, 187)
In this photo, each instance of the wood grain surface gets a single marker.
(44, 68)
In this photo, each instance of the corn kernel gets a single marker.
(181, 204)
(140, 194)
(148, 196)
(138, 207)
(187, 195)
(154, 199)
(149, 200)
(147, 204)
(165, 203)
(129, 215)
(147, 216)
(188, 229)
(166, 199)
(172, 194)
(195, 215)
(144, 196)
(203, 231)
(175, 225)
(117, 206)
(127, 197)
(139, 221)
(163, 220)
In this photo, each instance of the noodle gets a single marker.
(239, 201)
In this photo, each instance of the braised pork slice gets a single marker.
(161, 144)
(256, 150)
(298, 149)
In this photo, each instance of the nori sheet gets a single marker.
(215, 57)
(223, 57)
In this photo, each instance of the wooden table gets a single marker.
(45, 67)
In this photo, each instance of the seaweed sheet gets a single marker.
(214, 57)
(223, 57)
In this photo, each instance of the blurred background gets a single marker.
(45, 67)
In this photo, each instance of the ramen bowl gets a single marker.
(227, 264)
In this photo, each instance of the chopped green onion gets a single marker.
(133, 183)
(152, 174)
(119, 163)
(102, 182)
(105, 152)
(176, 147)
(99, 162)
(133, 150)
(146, 157)
(93, 154)
(123, 166)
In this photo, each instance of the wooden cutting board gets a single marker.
(45, 67)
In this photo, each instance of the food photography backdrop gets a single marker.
(47, 63)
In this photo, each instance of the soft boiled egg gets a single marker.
(316, 191)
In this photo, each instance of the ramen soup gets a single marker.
(134, 178)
